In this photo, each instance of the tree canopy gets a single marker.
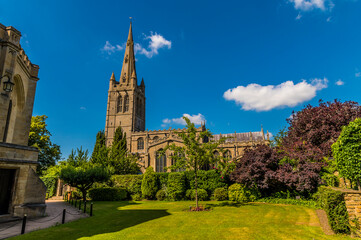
(347, 151)
(101, 152)
(39, 137)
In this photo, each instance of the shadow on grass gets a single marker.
(109, 217)
(228, 204)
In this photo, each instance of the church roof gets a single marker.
(241, 137)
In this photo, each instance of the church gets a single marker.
(126, 109)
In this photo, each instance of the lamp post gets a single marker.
(8, 87)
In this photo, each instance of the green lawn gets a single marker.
(170, 220)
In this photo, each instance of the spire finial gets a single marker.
(112, 77)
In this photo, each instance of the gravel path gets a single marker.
(54, 210)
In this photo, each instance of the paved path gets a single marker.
(54, 210)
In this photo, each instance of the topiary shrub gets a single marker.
(238, 193)
(136, 197)
(333, 203)
(132, 183)
(149, 184)
(161, 195)
(176, 186)
(108, 194)
(220, 194)
(202, 194)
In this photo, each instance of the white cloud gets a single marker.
(82, 108)
(299, 16)
(339, 82)
(329, 19)
(157, 42)
(264, 98)
(196, 119)
(308, 5)
(109, 48)
(358, 74)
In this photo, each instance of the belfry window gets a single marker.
(140, 144)
(119, 104)
(161, 161)
(126, 103)
(227, 155)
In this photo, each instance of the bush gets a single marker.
(290, 201)
(220, 194)
(108, 194)
(207, 180)
(176, 186)
(334, 204)
(132, 183)
(161, 195)
(202, 194)
(149, 184)
(136, 197)
(238, 193)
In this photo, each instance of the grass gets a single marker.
(170, 220)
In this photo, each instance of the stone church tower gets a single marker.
(126, 99)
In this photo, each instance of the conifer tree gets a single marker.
(100, 152)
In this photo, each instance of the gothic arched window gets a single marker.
(228, 154)
(119, 103)
(140, 143)
(161, 161)
(126, 103)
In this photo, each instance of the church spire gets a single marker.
(128, 68)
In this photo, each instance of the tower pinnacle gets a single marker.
(129, 60)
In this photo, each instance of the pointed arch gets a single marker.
(119, 103)
(126, 103)
(140, 143)
(161, 161)
(20, 93)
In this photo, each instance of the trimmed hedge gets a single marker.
(132, 183)
(149, 184)
(220, 194)
(176, 186)
(202, 194)
(333, 203)
(162, 179)
(207, 180)
(108, 194)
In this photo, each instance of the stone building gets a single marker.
(21, 190)
(126, 109)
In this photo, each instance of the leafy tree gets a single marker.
(39, 137)
(79, 172)
(270, 170)
(100, 152)
(278, 138)
(313, 130)
(347, 151)
(195, 153)
(84, 177)
(120, 159)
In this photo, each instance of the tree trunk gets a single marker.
(350, 183)
(358, 183)
(83, 192)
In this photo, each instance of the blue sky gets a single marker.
(235, 64)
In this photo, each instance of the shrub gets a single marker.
(176, 186)
(108, 194)
(238, 193)
(202, 194)
(136, 197)
(149, 184)
(220, 194)
(161, 195)
(334, 204)
(132, 183)
(207, 180)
